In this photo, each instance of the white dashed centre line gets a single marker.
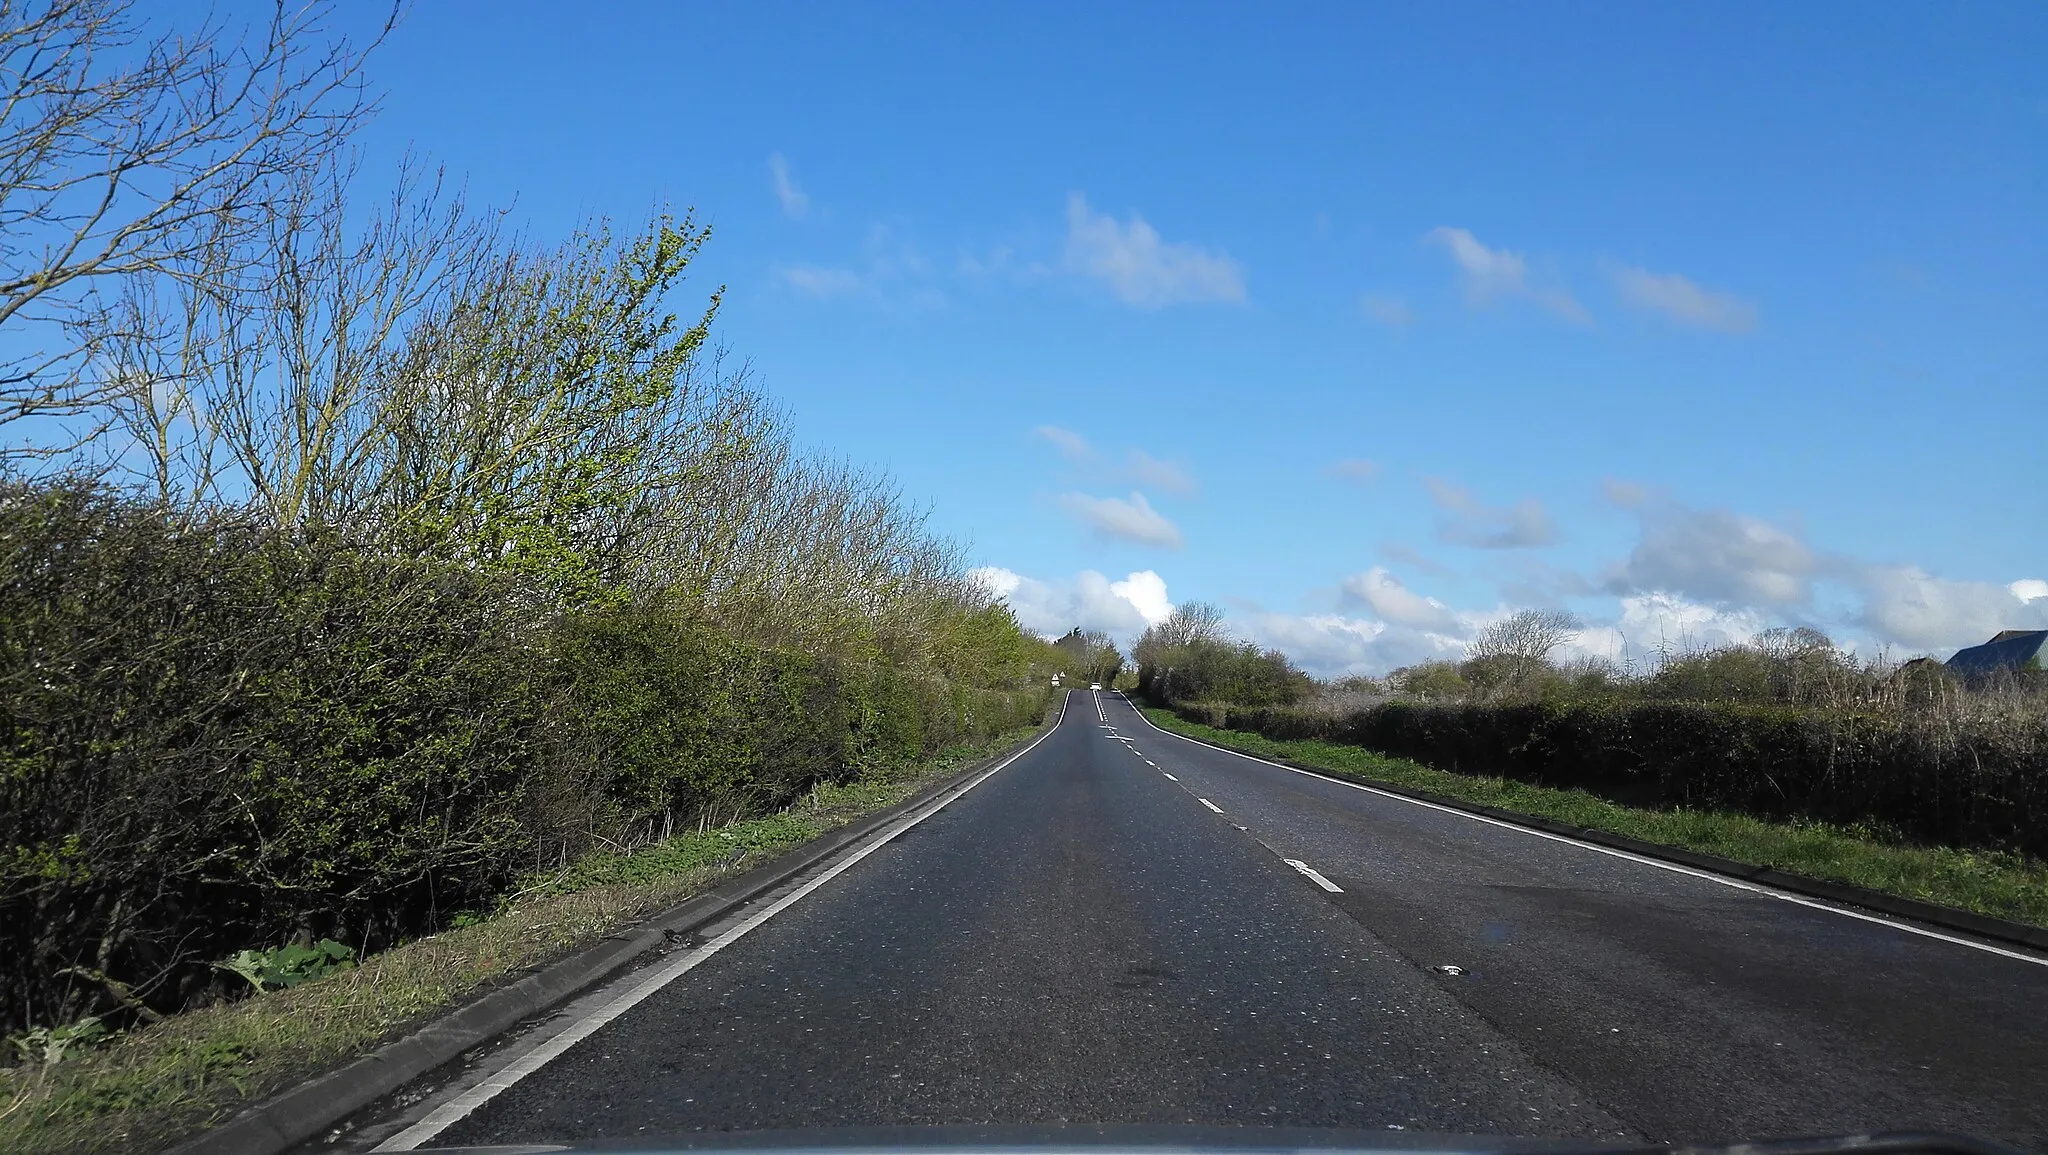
(1314, 877)
(1210, 805)
(1170, 777)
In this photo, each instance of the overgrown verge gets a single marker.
(147, 1087)
(1999, 883)
(1967, 780)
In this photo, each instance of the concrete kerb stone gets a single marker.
(291, 1117)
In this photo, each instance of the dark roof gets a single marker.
(2010, 650)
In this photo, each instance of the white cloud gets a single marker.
(1907, 605)
(794, 202)
(1333, 645)
(817, 281)
(1090, 601)
(1493, 274)
(1141, 269)
(1133, 520)
(1146, 591)
(1069, 442)
(1355, 469)
(1651, 625)
(1146, 469)
(1392, 312)
(1383, 594)
(1523, 525)
(1680, 299)
(1715, 556)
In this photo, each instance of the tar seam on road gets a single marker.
(458, 1108)
(1675, 868)
(1313, 875)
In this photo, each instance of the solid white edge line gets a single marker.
(1313, 875)
(458, 1108)
(1673, 867)
(1210, 805)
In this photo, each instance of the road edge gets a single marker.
(1986, 926)
(291, 1117)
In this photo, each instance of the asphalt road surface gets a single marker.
(1114, 929)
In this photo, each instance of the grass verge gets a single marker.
(147, 1088)
(1988, 882)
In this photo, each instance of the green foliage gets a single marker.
(219, 731)
(291, 964)
(1997, 883)
(1972, 787)
(48, 1046)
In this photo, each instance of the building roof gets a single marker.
(2010, 650)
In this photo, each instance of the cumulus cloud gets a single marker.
(794, 202)
(1139, 267)
(1496, 274)
(1146, 592)
(1523, 525)
(1355, 469)
(1381, 592)
(1661, 623)
(1909, 606)
(1333, 645)
(1090, 601)
(1392, 312)
(1069, 442)
(1716, 556)
(1146, 469)
(1682, 300)
(1133, 520)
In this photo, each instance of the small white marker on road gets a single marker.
(1313, 876)
(1210, 805)
(1170, 777)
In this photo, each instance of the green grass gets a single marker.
(2002, 885)
(148, 1087)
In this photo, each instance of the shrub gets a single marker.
(1966, 779)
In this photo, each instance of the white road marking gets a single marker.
(1169, 776)
(1660, 864)
(1210, 805)
(459, 1107)
(1314, 877)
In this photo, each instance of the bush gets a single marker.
(217, 737)
(221, 737)
(1973, 780)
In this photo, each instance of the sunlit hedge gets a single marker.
(218, 736)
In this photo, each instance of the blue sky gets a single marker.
(1369, 323)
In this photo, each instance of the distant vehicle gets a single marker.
(1095, 685)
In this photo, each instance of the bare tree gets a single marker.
(127, 155)
(1518, 646)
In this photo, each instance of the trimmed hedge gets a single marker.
(1932, 780)
(218, 736)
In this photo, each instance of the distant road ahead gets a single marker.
(1113, 929)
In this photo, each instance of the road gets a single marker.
(1110, 930)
